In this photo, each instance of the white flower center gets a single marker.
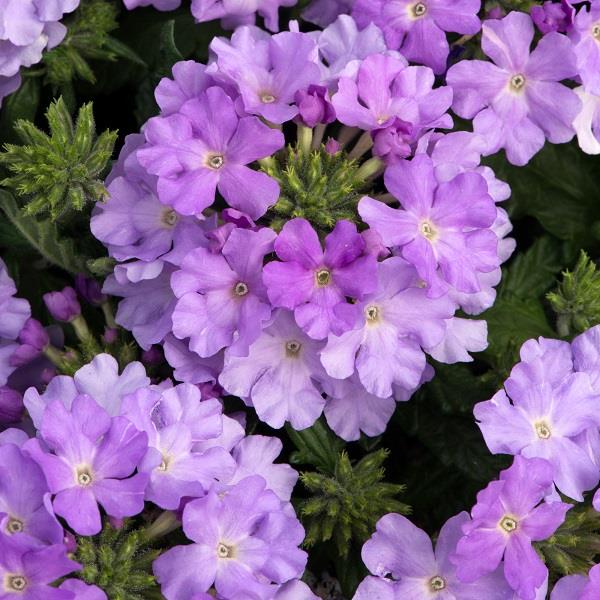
(14, 583)
(508, 524)
(428, 230)
(596, 31)
(169, 217)
(517, 82)
(240, 289)
(292, 348)
(437, 584)
(543, 430)
(267, 98)
(84, 477)
(14, 525)
(372, 313)
(165, 463)
(215, 161)
(418, 9)
(323, 277)
(224, 551)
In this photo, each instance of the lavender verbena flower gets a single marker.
(314, 106)
(418, 29)
(267, 70)
(403, 550)
(174, 421)
(386, 89)
(342, 47)
(25, 506)
(279, 376)
(240, 11)
(255, 455)
(519, 101)
(544, 419)
(585, 35)
(82, 590)
(28, 570)
(315, 283)
(325, 12)
(188, 366)
(206, 146)
(89, 289)
(578, 586)
(242, 541)
(385, 346)
(509, 515)
(551, 16)
(11, 406)
(158, 4)
(100, 380)
(587, 122)
(222, 300)
(63, 306)
(92, 459)
(442, 229)
(27, 28)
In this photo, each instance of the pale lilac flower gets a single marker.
(578, 586)
(403, 550)
(206, 146)
(315, 283)
(242, 541)
(188, 366)
(585, 35)
(386, 89)
(519, 101)
(393, 325)
(28, 570)
(174, 421)
(552, 16)
(8, 85)
(255, 455)
(509, 515)
(82, 590)
(63, 306)
(462, 337)
(587, 122)
(25, 506)
(542, 421)
(14, 312)
(325, 12)
(100, 379)
(92, 461)
(279, 376)
(418, 29)
(222, 301)
(269, 76)
(158, 4)
(443, 229)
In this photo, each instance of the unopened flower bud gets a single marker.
(89, 289)
(63, 306)
(314, 106)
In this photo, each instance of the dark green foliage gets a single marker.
(320, 187)
(62, 171)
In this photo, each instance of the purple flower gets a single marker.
(189, 367)
(14, 312)
(443, 229)
(279, 376)
(8, 85)
(89, 289)
(544, 420)
(267, 70)
(174, 421)
(394, 323)
(11, 406)
(63, 306)
(418, 29)
(92, 460)
(587, 122)
(507, 518)
(585, 36)
(222, 300)
(386, 89)
(578, 586)
(100, 379)
(82, 590)
(315, 283)
(518, 101)
(314, 106)
(325, 12)
(158, 4)
(28, 570)
(255, 455)
(242, 541)
(25, 506)
(342, 47)
(207, 146)
(239, 11)
(403, 550)
(551, 16)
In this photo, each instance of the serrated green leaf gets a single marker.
(121, 50)
(43, 236)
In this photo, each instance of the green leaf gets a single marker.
(23, 104)
(317, 446)
(121, 50)
(43, 236)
